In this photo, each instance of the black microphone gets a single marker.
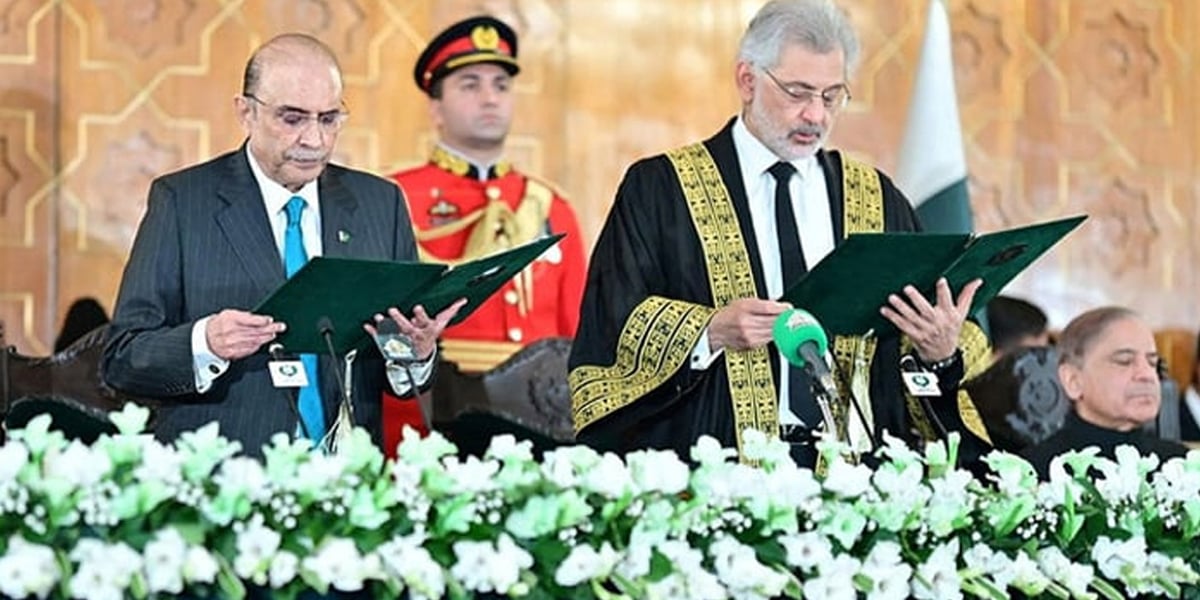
(326, 329)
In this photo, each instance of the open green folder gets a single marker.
(846, 290)
(348, 292)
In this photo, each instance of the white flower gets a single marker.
(78, 466)
(200, 566)
(482, 567)
(608, 478)
(1075, 577)
(13, 458)
(284, 566)
(472, 476)
(707, 450)
(658, 471)
(636, 563)
(256, 547)
(1173, 483)
(1027, 577)
(585, 563)
(1119, 561)
(505, 447)
(131, 419)
(320, 474)
(338, 563)
(770, 451)
(834, 580)
(159, 464)
(738, 568)
(807, 550)
(937, 578)
(889, 583)
(105, 570)
(163, 558)
(847, 480)
(562, 466)
(406, 559)
(242, 475)
(27, 570)
(996, 565)
(844, 524)
(690, 580)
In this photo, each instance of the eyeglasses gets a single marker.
(834, 97)
(296, 120)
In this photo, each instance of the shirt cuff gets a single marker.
(398, 376)
(703, 355)
(206, 366)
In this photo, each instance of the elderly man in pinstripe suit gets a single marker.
(212, 245)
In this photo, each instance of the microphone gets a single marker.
(346, 409)
(275, 350)
(803, 342)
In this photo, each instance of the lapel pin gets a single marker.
(343, 236)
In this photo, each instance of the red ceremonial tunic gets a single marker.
(448, 203)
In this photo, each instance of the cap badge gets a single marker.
(485, 37)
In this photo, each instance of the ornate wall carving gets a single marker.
(1068, 106)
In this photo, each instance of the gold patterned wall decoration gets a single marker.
(1067, 106)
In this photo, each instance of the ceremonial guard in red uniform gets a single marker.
(467, 202)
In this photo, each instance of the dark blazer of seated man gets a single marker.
(1108, 366)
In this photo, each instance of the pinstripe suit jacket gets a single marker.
(204, 245)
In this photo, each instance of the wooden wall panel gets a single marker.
(1067, 106)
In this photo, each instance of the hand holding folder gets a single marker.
(344, 293)
(846, 289)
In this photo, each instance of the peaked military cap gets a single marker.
(471, 41)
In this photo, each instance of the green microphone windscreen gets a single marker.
(795, 327)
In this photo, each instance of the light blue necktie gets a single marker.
(294, 257)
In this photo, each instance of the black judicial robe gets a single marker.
(1077, 434)
(649, 247)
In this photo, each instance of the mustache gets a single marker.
(302, 154)
(816, 130)
(1143, 391)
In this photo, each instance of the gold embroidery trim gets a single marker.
(655, 342)
(862, 205)
(755, 401)
(477, 356)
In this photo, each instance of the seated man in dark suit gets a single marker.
(1108, 367)
(217, 238)
(1189, 409)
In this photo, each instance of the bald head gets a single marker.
(283, 48)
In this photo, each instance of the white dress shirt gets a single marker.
(810, 204)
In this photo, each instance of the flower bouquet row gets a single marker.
(129, 517)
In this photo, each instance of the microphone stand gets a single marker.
(275, 350)
(345, 416)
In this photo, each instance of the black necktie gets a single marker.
(791, 259)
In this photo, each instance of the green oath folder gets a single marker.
(348, 292)
(846, 290)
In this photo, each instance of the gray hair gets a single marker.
(1083, 330)
(818, 25)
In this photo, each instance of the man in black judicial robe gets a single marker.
(1108, 366)
(675, 328)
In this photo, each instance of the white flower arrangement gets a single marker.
(130, 517)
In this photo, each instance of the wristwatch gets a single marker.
(944, 364)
